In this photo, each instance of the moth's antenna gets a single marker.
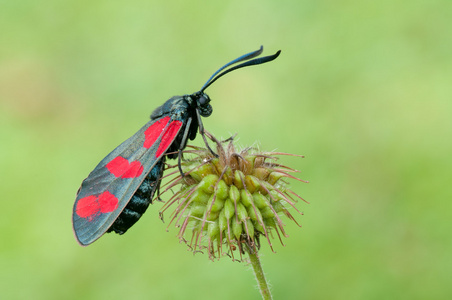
(248, 56)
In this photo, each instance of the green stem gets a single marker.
(259, 273)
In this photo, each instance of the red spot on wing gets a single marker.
(87, 207)
(92, 206)
(107, 202)
(120, 167)
(154, 131)
(168, 137)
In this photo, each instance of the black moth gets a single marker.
(120, 188)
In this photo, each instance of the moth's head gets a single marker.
(203, 103)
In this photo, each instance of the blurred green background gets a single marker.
(362, 89)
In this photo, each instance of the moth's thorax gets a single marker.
(172, 105)
(179, 106)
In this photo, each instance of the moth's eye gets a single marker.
(203, 100)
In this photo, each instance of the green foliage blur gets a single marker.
(362, 89)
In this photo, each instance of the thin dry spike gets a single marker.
(177, 210)
(185, 242)
(200, 235)
(183, 227)
(230, 250)
(220, 242)
(292, 192)
(173, 217)
(271, 233)
(258, 242)
(287, 175)
(211, 137)
(169, 153)
(231, 148)
(170, 202)
(239, 244)
(279, 236)
(289, 215)
(239, 162)
(176, 197)
(280, 222)
(196, 150)
(183, 210)
(229, 232)
(179, 178)
(191, 240)
(285, 197)
(206, 160)
(233, 161)
(281, 227)
(196, 240)
(229, 139)
(266, 156)
(192, 146)
(245, 150)
(170, 184)
(169, 174)
(218, 250)
(213, 250)
(217, 142)
(209, 249)
(291, 198)
(273, 165)
(243, 165)
(267, 236)
(283, 153)
(247, 232)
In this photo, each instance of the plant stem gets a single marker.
(259, 273)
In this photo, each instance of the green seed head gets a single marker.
(227, 201)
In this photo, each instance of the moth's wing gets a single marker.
(109, 187)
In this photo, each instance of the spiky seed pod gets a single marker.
(231, 199)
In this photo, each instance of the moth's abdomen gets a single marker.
(140, 200)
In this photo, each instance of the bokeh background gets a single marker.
(363, 89)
